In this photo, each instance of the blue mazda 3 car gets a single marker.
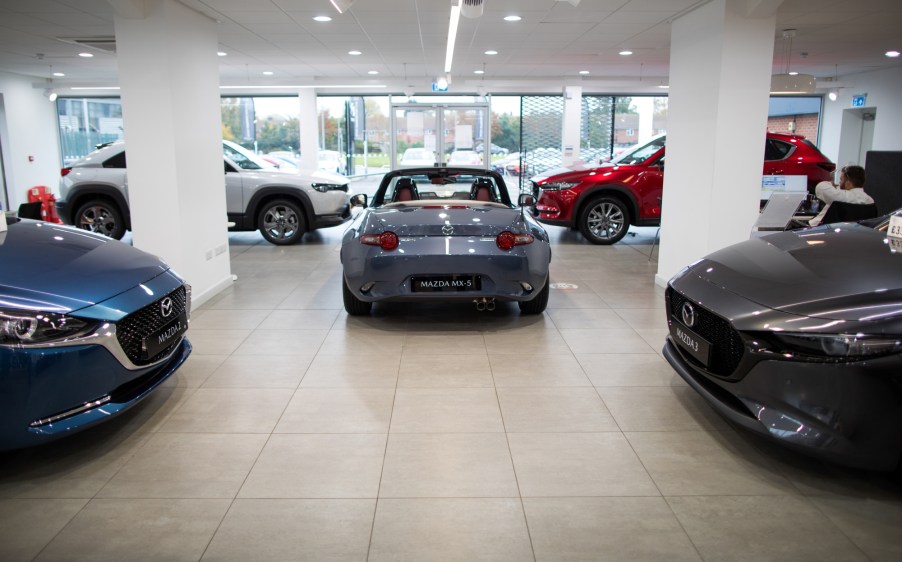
(88, 327)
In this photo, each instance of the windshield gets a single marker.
(639, 153)
(243, 158)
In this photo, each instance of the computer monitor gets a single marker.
(795, 184)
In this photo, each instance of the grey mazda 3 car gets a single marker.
(797, 336)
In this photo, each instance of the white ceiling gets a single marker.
(404, 40)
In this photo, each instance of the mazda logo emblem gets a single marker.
(688, 314)
(166, 307)
(447, 230)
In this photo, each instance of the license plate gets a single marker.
(445, 283)
(697, 346)
(164, 337)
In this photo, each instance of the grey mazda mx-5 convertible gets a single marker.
(447, 234)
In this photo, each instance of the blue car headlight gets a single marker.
(559, 185)
(21, 328)
(840, 346)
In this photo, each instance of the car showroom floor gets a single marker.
(433, 432)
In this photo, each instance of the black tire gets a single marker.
(281, 222)
(538, 304)
(101, 216)
(604, 220)
(353, 305)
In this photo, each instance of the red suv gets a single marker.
(602, 202)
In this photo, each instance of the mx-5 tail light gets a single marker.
(387, 240)
(507, 240)
(65, 172)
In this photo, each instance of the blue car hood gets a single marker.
(843, 272)
(55, 268)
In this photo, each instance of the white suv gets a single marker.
(282, 205)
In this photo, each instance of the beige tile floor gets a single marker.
(433, 432)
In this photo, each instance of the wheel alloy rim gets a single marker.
(605, 220)
(280, 222)
(99, 220)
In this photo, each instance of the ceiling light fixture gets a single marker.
(354, 53)
(267, 73)
(791, 82)
(373, 72)
(626, 53)
(322, 19)
(832, 95)
(892, 54)
(50, 94)
(221, 54)
(584, 72)
(342, 5)
(86, 55)
(58, 74)
(452, 33)
(512, 18)
(479, 72)
(490, 52)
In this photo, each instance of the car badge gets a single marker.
(166, 307)
(447, 230)
(688, 314)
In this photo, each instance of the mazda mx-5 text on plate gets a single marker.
(798, 336)
(88, 327)
(445, 234)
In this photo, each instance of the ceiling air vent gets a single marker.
(107, 44)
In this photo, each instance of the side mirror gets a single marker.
(359, 200)
(526, 200)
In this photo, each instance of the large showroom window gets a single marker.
(354, 136)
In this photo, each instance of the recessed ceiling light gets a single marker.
(355, 53)
(583, 71)
(58, 74)
(512, 18)
(892, 54)
(221, 54)
(322, 18)
(626, 53)
(793, 73)
(267, 73)
(373, 72)
(491, 52)
(86, 55)
(479, 72)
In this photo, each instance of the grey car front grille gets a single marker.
(726, 343)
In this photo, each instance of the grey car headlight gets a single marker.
(324, 187)
(20, 328)
(559, 185)
(841, 346)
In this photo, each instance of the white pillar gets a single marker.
(720, 67)
(570, 137)
(169, 79)
(308, 120)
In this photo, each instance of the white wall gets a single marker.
(883, 88)
(28, 127)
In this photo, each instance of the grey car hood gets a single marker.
(839, 272)
(75, 269)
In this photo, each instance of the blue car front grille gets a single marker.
(131, 330)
